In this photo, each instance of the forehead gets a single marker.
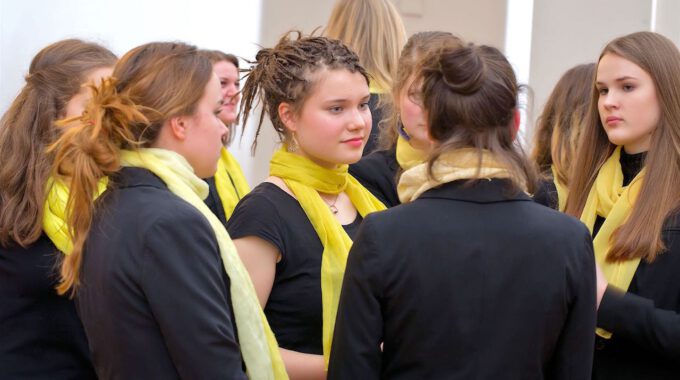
(612, 67)
(225, 68)
(337, 83)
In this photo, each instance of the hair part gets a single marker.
(560, 124)
(659, 197)
(216, 56)
(151, 84)
(286, 73)
(56, 75)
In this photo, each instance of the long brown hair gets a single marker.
(417, 46)
(659, 195)
(470, 97)
(559, 126)
(150, 84)
(284, 74)
(55, 75)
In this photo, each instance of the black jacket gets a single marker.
(377, 172)
(467, 282)
(154, 298)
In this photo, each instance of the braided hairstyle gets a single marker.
(284, 74)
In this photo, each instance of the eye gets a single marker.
(335, 109)
(603, 91)
(237, 84)
(363, 106)
(628, 87)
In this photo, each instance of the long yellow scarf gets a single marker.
(561, 190)
(609, 199)
(451, 166)
(257, 342)
(306, 179)
(408, 156)
(230, 182)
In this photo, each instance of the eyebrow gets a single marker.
(620, 79)
(337, 100)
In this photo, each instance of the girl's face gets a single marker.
(628, 104)
(413, 117)
(334, 123)
(229, 88)
(76, 105)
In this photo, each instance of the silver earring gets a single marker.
(292, 145)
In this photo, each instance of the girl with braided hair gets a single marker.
(41, 336)
(294, 230)
(483, 283)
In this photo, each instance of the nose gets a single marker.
(610, 100)
(359, 120)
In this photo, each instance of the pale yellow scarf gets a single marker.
(451, 166)
(306, 179)
(609, 199)
(257, 342)
(408, 156)
(230, 182)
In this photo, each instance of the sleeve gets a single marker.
(257, 216)
(638, 319)
(187, 294)
(573, 357)
(356, 352)
(546, 194)
(369, 172)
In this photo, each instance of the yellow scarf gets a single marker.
(561, 190)
(54, 214)
(230, 182)
(306, 179)
(257, 342)
(408, 156)
(450, 166)
(609, 199)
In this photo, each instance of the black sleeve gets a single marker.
(573, 357)
(546, 194)
(257, 216)
(637, 318)
(184, 285)
(356, 352)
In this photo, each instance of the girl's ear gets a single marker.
(287, 116)
(516, 123)
(178, 127)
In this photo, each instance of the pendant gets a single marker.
(334, 209)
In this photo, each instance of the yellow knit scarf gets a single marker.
(609, 199)
(306, 179)
(450, 166)
(408, 156)
(257, 342)
(230, 182)
(561, 190)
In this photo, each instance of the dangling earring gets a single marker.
(292, 146)
(401, 130)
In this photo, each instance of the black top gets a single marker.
(467, 282)
(154, 298)
(376, 117)
(645, 320)
(41, 336)
(378, 173)
(294, 307)
(214, 202)
(546, 193)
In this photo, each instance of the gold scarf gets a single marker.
(450, 166)
(258, 345)
(306, 179)
(230, 182)
(561, 190)
(408, 156)
(609, 199)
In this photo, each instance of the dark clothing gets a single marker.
(378, 172)
(41, 336)
(645, 320)
(546, 194)
(214, 202)
(467, 282)
(154, 296)
(294, 306)
(376, 118)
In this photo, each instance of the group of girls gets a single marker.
(428, 258)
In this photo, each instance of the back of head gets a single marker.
(560, 123)
(375, 31)
(470, 96)
(285, 73)
(418, 46)
(55, 76)
(150, 84)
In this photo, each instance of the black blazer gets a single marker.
(154, 298)
(378, 172)
(467, 283)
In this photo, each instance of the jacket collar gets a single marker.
(481, 191)
(136, 177)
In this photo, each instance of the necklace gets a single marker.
(331, 205)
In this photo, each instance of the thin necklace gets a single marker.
(331, 205)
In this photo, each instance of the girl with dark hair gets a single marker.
(41, 336)
(294, 231)
(470, 279)
(158, 283)
(627, 191)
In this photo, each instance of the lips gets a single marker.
(357, 141)
(611, 120)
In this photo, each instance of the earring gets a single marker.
(401, 130)
(292, 145)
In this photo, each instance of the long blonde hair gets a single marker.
(374, 30)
